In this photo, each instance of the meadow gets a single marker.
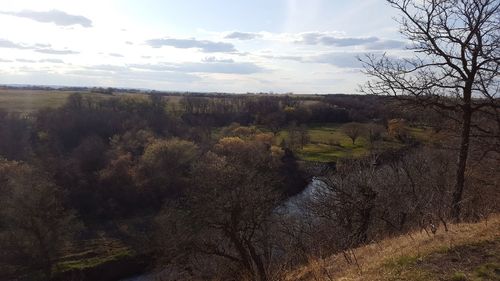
(27, 101)
(328, 143)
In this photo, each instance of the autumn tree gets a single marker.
(36, 225)
(456, 47)
(163, 170)
(397, 129)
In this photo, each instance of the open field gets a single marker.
(26, 101)
(468, 251)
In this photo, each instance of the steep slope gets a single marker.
(468, 251)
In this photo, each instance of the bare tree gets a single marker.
(225, 216)
(353, 131)
(456, 46)
(305, 137)
(374, 133)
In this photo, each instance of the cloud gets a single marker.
(387, 44)
(294, 58)
(40, 45)
(56, 52)
(109, 67)
(11, 45)
(26, 61)
(329, 39)
(214, 59)
(51, 60)
(38, 61)
(203, 45)
(243, 35)
(134, 73)
(211, 66)
(116, 55)
(53, 16)
(338, 59)
(221, 67)
(333, 39)
(40, 48)
(4, 60)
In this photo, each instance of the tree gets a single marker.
(304, 136)
(163, 170)
(15, 141)
(397, 129)
(374, 133)
(234, 190)
(35, 223)
(352, 130)
(455, 68)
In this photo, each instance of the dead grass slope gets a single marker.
(468, 251)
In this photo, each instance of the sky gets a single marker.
(240, 46)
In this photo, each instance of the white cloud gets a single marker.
(53, 16)
(206, 46)
(332, 39)
(56, 52)
(243, 35)
(211, 66)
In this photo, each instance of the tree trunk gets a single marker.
(261, 270)
(246, 260)
(462, 161)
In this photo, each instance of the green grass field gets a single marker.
(328, 143)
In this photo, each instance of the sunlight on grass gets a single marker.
(328, 144)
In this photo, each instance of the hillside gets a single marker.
(466, 252)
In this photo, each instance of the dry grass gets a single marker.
(26, 101)
(390, 258)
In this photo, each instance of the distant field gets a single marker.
(26, 101)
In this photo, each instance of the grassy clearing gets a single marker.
(466, 252)
(328, 144)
